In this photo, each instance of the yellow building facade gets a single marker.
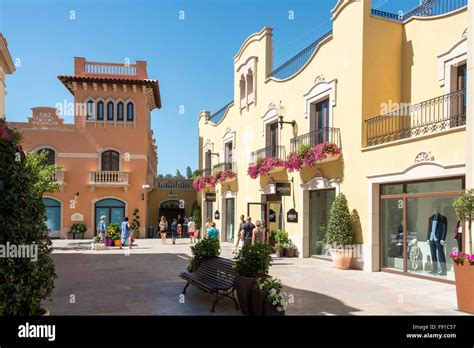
(389, 92)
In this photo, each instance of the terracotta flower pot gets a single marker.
(258, 300)
(290, 252)
(117, 242)
(271, 310)
(464, 276)
(243, 285)
(341, 258)
(280, 252)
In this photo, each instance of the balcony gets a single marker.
(226, 167)
(174, 184)
(85, 68)
(319, 136)
(276, 151)
(108, 179)
(431, 116)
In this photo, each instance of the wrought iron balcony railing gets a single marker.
(319, 136)
(174, 184)
(426, 9)
(224, 167)
(430, 116)
(277, 151)
(205, 172)
(294, 64)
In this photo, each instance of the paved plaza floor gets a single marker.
(145, 281)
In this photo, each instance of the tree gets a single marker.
(168, 176)
(24, 281)
(179, 175)
(196, 214)
(161, 176)
(189, 172)
(464, 208)
(339, 231)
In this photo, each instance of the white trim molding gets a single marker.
(269, 117)
(321, 90)
(446, 61)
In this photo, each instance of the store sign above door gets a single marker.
(292, 216)
(283, 188)
(210, 197)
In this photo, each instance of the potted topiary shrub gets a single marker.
(251, 262)
(78, 230)
(464, 262)
(340, 234)
(260, 292)
(135, 225)
(196, 214)
(281, 238)
(205, 247)
(24, 281)
(290, 249)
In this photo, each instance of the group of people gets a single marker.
(176, 228)
(250, 232)
(126, 236)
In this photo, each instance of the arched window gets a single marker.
(110, 161)
(249, 82)
(110, 111)
(90, 110)
(130, 112)
(120, 111)
(242, 88)
(100, 111)
(50, 156)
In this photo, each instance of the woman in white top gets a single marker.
(191, 230)
(207, 226)
(163, 226)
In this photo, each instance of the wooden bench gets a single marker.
(214, 275)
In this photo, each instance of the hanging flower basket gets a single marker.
(308, 156)
(266, 166)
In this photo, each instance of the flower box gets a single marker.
(277, 169)
(309, 156)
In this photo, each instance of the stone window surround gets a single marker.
(320, 91)
(242, 71)
(49, 147)
(115, 101)
(447, 61)
(225, 195)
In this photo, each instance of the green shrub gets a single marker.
(24, 178)
(78, 228)
(268, 283)
(114, 231)
(206, 247)
(253, 260)
(196, 214)
(135, 225)
(281, 237)
(96, 239)
(339, 231)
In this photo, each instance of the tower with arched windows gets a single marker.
(103, 141)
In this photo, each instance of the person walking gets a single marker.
(207, 226)
(102, 228)
(239, 233)
(174, 230)
(213, 232)
(247, 230)
(266, 232)
(185, 225)
(191, 230)
(258, 233)
(125, 235)
(163, 225)
(180, 226)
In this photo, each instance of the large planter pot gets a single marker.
(258, 300)
(243, 285)
(341, 258)
(464, 276)
(117, 242)
(290, 252)
(109, 241)
(271, 310)
(279, 252)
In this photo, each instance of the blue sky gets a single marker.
(191, 58)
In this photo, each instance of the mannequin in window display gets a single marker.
(396, 249)
(436, 236)
(415, 255)
(458, 234)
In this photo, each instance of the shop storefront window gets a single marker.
(418, 227)
(321, 201)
